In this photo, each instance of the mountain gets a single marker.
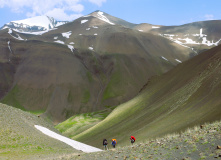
(186, 96)
(38, 23)
(113, 20)
(83, 66)
(199, 36)
(90, 64)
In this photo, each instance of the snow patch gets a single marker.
(5, 27)
(34, 33)
(164, 58)
(88, 29)
(59, 24)
(188, 41)
(154, 27)
(91, 48)
(95, 34)
(202, 39)
(10, 31)
(103, 18)
(55, 37)
(94, 27)
(67, 34)
(178, 60)
(201, 32)
(58, 41)
(180, 43)
(9, 46)
(71, 43)
(208, 43)
(18, 38)
(9, 50)
(75, 144)
(71, 48)
(84, 21)
(140, 30)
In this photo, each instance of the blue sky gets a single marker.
(160, 12)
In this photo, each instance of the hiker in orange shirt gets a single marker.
(114, 142)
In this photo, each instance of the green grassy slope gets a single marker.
(183, 97)
(81, 122)
(21, 140)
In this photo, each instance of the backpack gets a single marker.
(105, 142)
(113, 142)
(132, 140)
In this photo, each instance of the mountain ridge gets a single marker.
(83, 66)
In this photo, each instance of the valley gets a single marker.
(102, 77)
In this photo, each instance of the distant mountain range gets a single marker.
(39, 23)
(93, 63)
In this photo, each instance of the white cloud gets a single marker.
(209, 17)
(66, 8)
(97, 2)
(59, 9)
(59, 14)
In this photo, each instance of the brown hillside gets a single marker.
(49, 77)
(186, 96)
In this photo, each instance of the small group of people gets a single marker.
(114, 142)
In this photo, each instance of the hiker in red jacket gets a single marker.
(132, 139)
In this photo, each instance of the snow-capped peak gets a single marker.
(41, 21)
(101, 15)
(38, 23)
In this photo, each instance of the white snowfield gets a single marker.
(42, 21)
(75, 144)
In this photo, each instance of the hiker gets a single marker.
(105, 144)
(132, 139)
(114, 142)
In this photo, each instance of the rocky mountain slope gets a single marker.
(82, 66)
(185, 96)
(91, 64)
(198, 36)
(195, 143)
